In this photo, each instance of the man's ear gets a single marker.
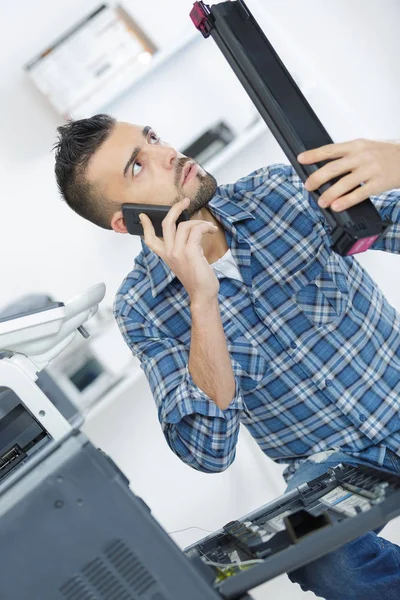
(118, 223)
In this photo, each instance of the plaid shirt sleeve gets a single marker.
(197, 431)
(387, 204)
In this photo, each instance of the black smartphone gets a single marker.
(156, 213)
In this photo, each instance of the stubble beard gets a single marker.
(205, 192)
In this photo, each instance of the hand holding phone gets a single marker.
(181, 249)
(155, 213)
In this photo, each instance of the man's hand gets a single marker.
(375, 164)
(182, 251)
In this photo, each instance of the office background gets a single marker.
(344, 55)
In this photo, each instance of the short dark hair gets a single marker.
(77, 142)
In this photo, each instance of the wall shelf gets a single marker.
(130, 77)
(241, 141)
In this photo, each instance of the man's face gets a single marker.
(135, 165)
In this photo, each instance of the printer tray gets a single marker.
(300, 526)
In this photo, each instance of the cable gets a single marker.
(222, 566)
(187, 529)
(235, 564)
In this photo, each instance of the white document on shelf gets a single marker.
(87, 59)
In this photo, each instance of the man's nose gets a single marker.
(167, 156)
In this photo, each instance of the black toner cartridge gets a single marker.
(285, 110)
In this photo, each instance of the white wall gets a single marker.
(345, 54)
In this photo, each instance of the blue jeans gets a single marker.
(366, 568)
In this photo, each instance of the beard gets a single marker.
(206, 190)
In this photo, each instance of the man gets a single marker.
(244, 315)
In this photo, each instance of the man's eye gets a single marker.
(153, 136)
(137, 164)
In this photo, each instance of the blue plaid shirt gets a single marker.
(315, 346)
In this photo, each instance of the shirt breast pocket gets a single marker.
(248, 364)
(321, 290)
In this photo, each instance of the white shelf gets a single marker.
(234, 147)
(131, 77)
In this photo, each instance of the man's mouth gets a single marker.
(189, 171)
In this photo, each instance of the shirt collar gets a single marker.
(224, 208)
